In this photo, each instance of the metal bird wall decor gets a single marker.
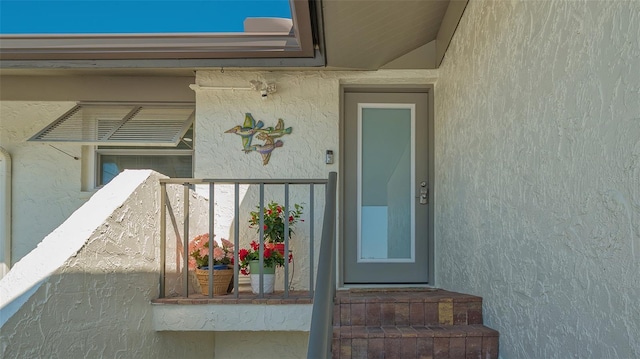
(250, 129)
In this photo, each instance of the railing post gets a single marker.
(185, 240)
(163, 237)
(261, 242)
(312, 221)
(236, 240)
(211, 238)
(286, 240)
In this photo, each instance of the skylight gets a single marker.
(134, 17)
(121, 30)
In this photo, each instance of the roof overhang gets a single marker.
(393, 34)
(343, 34)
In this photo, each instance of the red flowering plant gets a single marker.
(199, 252)
(274, 217)
(271, 258)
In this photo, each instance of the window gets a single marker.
(122, 135)
(172, 162)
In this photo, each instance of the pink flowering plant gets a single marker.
(274, 219)
(199, 252)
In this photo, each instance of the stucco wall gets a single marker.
(92, 281)
(538, 174)
(281, 345)
(46, 182)
(309, 102)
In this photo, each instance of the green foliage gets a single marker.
(274, 220)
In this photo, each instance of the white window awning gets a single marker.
(121, 124)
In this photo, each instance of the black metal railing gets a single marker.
(183, 238)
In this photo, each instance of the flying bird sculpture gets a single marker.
(246, 131)
(250, 129)
(266, 148)
(276, 132)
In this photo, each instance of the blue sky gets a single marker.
(146, 16)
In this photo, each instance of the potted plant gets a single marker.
(222, 259)
(250, 265)
(274, 220)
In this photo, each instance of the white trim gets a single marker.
(99, 152)
(231, 317)
(411, 107)
(5, 212)
(144, 152)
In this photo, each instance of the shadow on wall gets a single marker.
(79, 314)
(117, 230)
(86, 289)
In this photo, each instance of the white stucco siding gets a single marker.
(309, 102)
(232, 317)
(90, 282)
(46, 182)
(538, 174)
(281, 345)
(306, 102)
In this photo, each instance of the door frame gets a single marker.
(408, 88)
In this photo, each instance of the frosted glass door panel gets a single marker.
(385, 183)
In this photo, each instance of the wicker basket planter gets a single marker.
(222, 281)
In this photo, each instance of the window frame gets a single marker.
(98, 152)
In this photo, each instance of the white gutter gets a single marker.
(196, 87)
(5, 212)
(264, 88)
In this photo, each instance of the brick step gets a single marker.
(407, 342)
(405, 306)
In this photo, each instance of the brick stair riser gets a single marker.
(419, 347)
(407, 324)
(372, 313)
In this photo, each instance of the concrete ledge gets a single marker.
(231, 317)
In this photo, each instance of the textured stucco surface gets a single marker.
(538, 174)
(46, 182)
(96, 301)
(47, 190)
(280, 345)
(309, 102)
(232, 317)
